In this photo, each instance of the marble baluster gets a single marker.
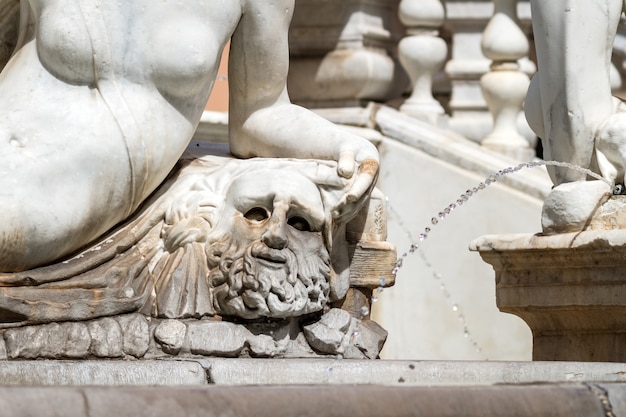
(422, 53)
(504, 86)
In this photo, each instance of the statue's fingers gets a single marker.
(368, 170)
(325, 175)
(346, 164)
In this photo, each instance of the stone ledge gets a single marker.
(405, 373)
(231, 372)
(259, 401)
(311, 387)
(118, 373)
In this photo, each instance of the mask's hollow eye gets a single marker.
(299, 223)
(256, 214)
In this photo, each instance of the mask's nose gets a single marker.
(275, 236)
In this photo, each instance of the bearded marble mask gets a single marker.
(273, 261)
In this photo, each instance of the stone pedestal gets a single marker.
(569, 288)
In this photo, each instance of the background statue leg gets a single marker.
(574, 40)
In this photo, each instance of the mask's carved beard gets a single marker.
(265, 282)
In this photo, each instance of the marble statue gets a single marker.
(569, 105)
(101, 99)
(222, 238)
(114, 243)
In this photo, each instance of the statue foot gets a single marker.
(571, 206)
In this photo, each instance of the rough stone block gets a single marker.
(370, 338)
(3, 348)
(106, 338)
(171, 335)
(136, 333)
(216, 338)
(66, 340)
(328, 334)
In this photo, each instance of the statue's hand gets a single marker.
(358, 161)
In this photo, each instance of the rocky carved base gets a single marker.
(131, 336)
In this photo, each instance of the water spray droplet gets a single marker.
(455, 307)
(434, 220)
(374, 299)
(364, 311)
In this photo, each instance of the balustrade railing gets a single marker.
(490, 53)
(487, 70)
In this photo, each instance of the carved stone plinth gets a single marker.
(569, 288)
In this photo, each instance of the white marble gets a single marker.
(570, 104)
(422, 53)
(504, 86)
(570, 206)
(97, 114)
